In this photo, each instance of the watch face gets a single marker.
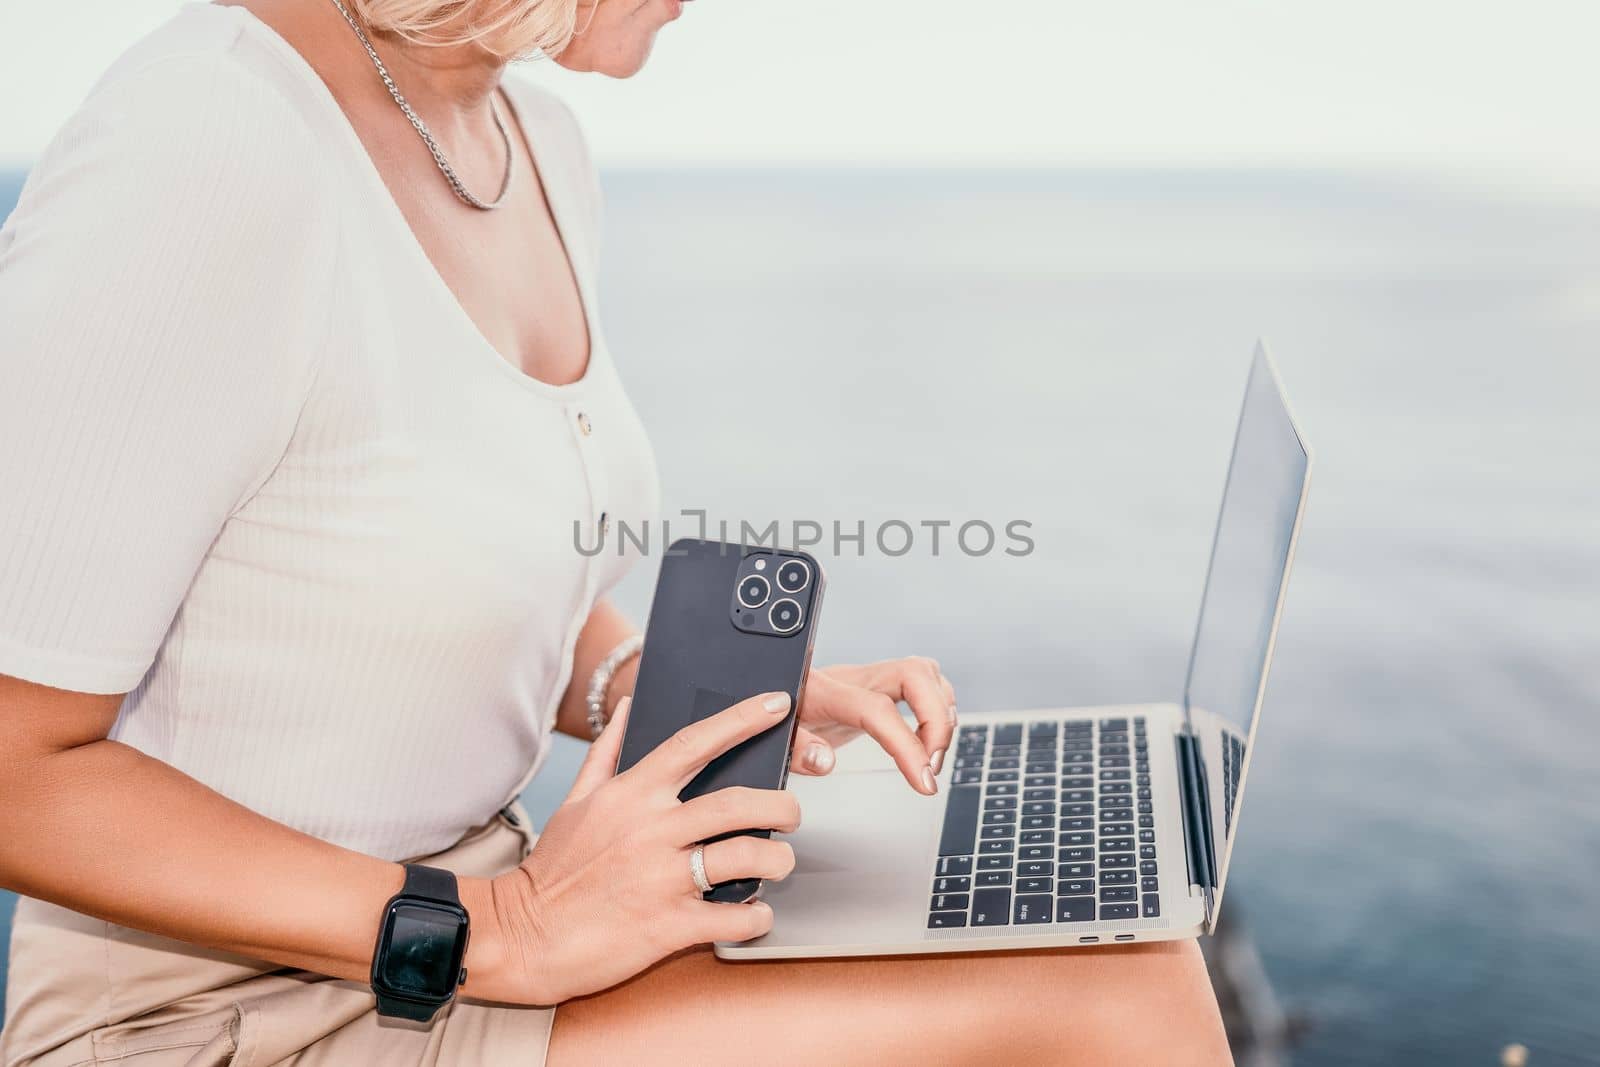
(425, 948)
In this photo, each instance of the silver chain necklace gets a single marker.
(422, 128)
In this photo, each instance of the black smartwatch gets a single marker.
(416, 967)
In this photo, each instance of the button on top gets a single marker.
(584, 425)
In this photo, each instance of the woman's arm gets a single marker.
(101, 828)
(605, 629)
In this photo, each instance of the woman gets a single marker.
(304, 392)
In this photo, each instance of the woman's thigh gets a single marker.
(1149, 1003)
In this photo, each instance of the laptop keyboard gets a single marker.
(1232, 760)
(1047, 822)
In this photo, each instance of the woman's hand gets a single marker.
(607, 890)
(843, 702)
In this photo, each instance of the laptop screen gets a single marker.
(1261, 506)
(1250, 556)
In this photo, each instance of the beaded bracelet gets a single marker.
(600, 681)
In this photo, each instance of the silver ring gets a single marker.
(697, 868)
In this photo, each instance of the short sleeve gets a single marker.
(164, 297)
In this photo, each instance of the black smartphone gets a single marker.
(728, 622)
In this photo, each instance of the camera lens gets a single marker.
(784, 616)
(793, 576)
(753, 591)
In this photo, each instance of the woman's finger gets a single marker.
(731, 809)
(876, 713)
(683, 755)
(601, 762)
(741, 857)
(918, 685)
(706, 922)
(812, 755)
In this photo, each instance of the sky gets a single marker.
(1469, 86)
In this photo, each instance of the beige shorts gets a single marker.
(86, 992)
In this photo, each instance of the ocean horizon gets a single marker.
(1416, 848)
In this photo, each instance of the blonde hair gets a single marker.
(511, 29)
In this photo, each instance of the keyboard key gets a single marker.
(1147, 852)
(1147, 837)
(999, 803)
(1077, 824)
(1075, 909)
(1031, 909)
(1118, 894)
(1039, 807)
(1072, 887)
(1039, 794)
(1152, 907)
(1037, 822)
(1033, 885)
(1003, 763)
(1038, 781)
(1113, 724)
(990, 848)
(1116, 844)
(994, 863)
(1037, 852)
(1077, 809)
(1002, 776)
(968, 776)
(1149, 885)
(952, 885)
(1074, 840)
(1038, 767)
(941, 920)
(950, 902)
(1147, 866)
(1114, 750)
(1077, 783)
(1008, 734)
(960, 822)
(1116, 829)
(1077, 796)
(991, 907)
(1006, 750)
(1117, 877)
(1115, 776)
(1116, 861)
(1116, 802)
(1108, 789)
(998, 831)
(954, 865)
(991, 818)
(1001, 789)
(1147, 821)
(1034, 869)
(991, 878)
(1074, 870)
(1119, 911)
(1035, 837)
(1077, 855)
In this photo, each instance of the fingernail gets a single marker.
(952, 714)
(937, 762)
(819, 757)
(776, 703)
(928, 783)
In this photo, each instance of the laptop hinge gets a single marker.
(1201, 854)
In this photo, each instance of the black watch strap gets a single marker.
(430, 883)
(427, 884)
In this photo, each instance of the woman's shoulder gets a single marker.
(212, 90)
(557, 138)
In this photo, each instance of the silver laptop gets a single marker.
(1067, 826)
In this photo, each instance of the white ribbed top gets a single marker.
(259, 467)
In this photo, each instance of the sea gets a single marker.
(839, 351)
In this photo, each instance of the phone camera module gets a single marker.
(793, 576)
(753, 591)
(784, 616)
